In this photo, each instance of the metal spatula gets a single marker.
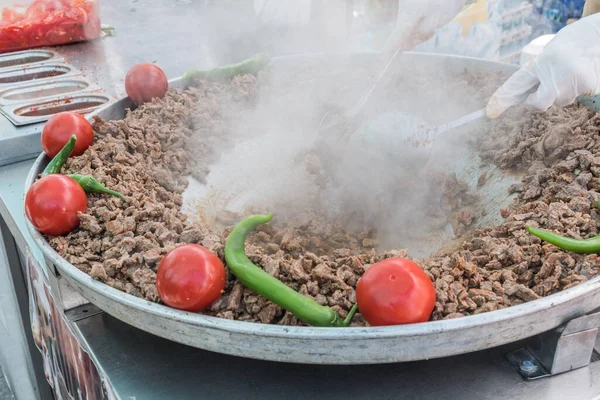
(404, 137)
(330, 123)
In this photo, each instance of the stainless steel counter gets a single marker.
(177, 34)
(172, 371)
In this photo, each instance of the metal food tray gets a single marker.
(28, 57)
(365, 345)
(40, 72)
(35, 90)
(34, 85)
(42, 109)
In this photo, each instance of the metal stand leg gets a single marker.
(568, 347)
(21, 360)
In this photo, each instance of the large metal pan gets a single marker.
(335, 345)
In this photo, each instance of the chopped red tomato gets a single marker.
(9, 16)
(48, 23)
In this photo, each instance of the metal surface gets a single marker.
(39, 111)
(569, 347)
(330, 345)
(559, 350)
(39, 90)
(18, 354)
(82, 312)
(527, 365)
(590, 321)
(573, 351)
(32, 93)
(142, 366)
(29, 57)
(459, 122)
(38, 72)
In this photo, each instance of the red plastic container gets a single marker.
(48, 23)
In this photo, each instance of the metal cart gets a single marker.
(134, 364)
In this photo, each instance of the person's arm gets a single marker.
(568, 67)
(591, 7)
(418, 20)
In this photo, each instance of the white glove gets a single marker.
(418, 19)
(568, 67)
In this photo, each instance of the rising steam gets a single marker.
(278, 162)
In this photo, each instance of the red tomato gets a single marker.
(395, 291)
(52, 203)
(145, 82)
(190, 278)
(58, 131)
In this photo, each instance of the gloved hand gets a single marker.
(568, 67)
(418, 19)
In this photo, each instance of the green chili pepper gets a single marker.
(61, 158)
(91, 185)
(249, 66)
(303, 307)
(586, 246)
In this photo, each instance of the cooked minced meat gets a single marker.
(147, 156)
